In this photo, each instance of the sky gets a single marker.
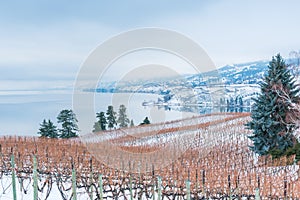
(46, 42)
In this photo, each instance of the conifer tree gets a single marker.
(68, 121)
(97, 127)
(131, 123)
(272, 129)
(145, 121)
(52, 130)
(123, 120)
(48, 129)
(43, 129)
(111, 117)
(101, 120)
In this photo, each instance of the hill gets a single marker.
(201, 157)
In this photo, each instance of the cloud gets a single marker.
(51, 53)
(240, 31)
(38, 43)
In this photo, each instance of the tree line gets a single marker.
(111, 120)
(68, 128)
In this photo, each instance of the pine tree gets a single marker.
(43, 129)
(111, 117)
(271, 129)
(101, 120)
(145, 121)
(131, 123)
(68, 121)
(123, 120)
(241, 104)
(48, 129)
(97, 127)
(236, 102)
(52, 130)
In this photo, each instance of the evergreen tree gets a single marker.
(228, 104)
(111, 117)
(236, 101)
(271, 129)
(52, 130)
(241, 104)
(101, 120)
(222, 101)
(145, 121)
(68, 121)
(43, 129)
(123, 120)
(231, 102)
(97, 127)
(48, 129)
(131, 123)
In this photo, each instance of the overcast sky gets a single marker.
(49, 40)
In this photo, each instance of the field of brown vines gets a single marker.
(210, 151)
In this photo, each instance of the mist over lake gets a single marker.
(21, 112)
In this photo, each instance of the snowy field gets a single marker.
(217, 163)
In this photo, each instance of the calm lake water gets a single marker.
(21, 113)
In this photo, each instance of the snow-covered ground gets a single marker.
(219, 142)
(26, 192)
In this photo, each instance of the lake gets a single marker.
(22, 112)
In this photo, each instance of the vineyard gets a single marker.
(196, 158)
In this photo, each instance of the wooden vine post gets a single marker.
(130, 187)
(229, 187)
(188, 190)
(203, 183)
(100, 186)
(74, 183)
(257, 192)
(257, 197)
(13, 177)
(153, 180)
(197, 184)
(35, 179)
(159, 188)
(91, 180)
